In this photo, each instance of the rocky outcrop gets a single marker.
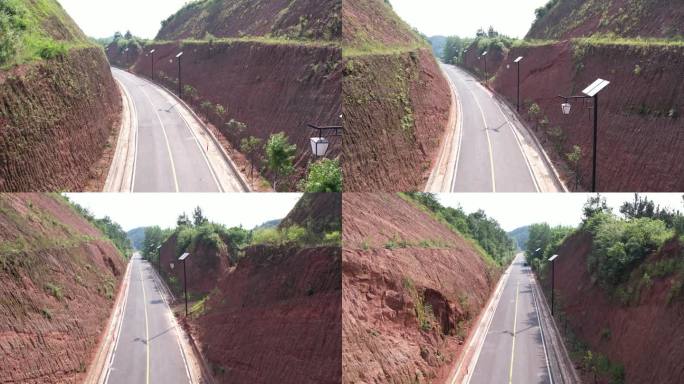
(56, 118)
(59, 279)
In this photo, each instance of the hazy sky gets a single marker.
(464, 17)
(142, 210)
(101, 18)
(516, 210)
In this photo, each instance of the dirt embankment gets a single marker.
(641, 135)
(320, 213)
(275, 318)
(396, 108)
(629, 18)
(646, 335)
(270, 88)
(412, 289)
(58, 284)
(302, 19)
(56, 119)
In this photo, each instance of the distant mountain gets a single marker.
(438, 44)
(269, 224)
(520, 236)
(137, 236)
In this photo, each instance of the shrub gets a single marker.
(324, 176)
(50, 49)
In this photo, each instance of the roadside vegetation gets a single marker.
(484, 232)
(26, 35)
(109, 228)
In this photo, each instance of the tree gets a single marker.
(154, 237)
(279, 157)
(117, 36)
(250, 147)
(183, 221)
(324, 176)
(575, 157)
(595, 205)
(128, 35)
(492, 33)
(198, 217)
(640, 207)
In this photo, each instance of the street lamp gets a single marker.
(517, 61)
(553, 277)
(484, 55)
(152, 53)
(185, 281)
(320, 144)
(464, 55)
(180, 92)
(159, 258)
(128, 55)
(591, 92)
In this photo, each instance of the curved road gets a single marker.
(147, 349)
(514, 350)
(169, 155)
(490, 157)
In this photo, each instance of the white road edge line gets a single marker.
(166, 138)
(489, 140)
(522, 151)
(460, 132)
(199, 146)
(541, 330)
(122, 309)
(175, 325)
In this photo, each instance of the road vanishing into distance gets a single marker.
(490, 157)
(147, 349)
(514, 349)
(169, 155)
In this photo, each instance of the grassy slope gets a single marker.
(203, 19)
(42, 29)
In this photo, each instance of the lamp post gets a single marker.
(464, 56)
(320, 144)
(128, 56)
(152, 53)
(553, 277)
(180, 90)
(517, 61)
(591, 92)
(484, 55)
(159, 258)
(185, 281)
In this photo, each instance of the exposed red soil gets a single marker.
(275, 318)
(373, 22)
(55, 122)
(320, 213)
(384, 290)
(311, 19)
(630, 18)
(56, 295)
(242, 78)
(396, 109)
(645, 336)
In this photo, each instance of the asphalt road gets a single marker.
(490, 157)
(169, 157)
(513, 350)
(148, 348)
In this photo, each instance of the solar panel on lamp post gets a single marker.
(591, 92)
(553, 278)
(185, 281)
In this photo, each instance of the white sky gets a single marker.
(517, 210)
(101, 18)
(162, 209)
(464, 17)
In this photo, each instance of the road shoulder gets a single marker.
(122, 169)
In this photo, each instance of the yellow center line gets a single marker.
(515, 323)
(147, 327)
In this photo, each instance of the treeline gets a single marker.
(620, 243)
(484, 230)
(489, 40)
(109, 229)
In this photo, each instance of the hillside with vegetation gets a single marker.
(284, 54)
(394, 93)
(564, 19)
(59, 105)
(59, 277)
(619, 284)
(416, 275)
